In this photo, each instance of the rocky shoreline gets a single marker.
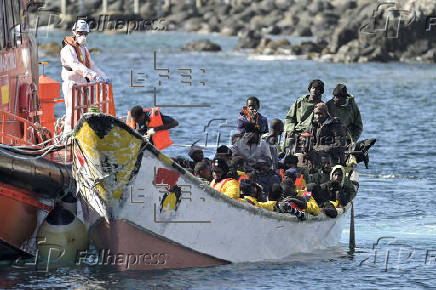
(342, 30)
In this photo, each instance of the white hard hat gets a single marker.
(81, 25)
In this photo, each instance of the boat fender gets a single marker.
(61, 237)
(69, 202)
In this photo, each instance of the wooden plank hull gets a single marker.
(159, 204)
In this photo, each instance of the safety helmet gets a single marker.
(81, 25)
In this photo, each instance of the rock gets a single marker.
(283, 4)
(279, 43)
(116, 6)
(307, 47)
(273, 30)
(147, 10)
(193, 24)
(259, 21)
(91, 5)
(228, 31)
(246, 15)
(348, 5)
(304, 31)
(248, 39)
(326, 20)
(95, 50)
(262, 45)
(417, 48)
(224, 9)
(179, 17)
(430, 55)
(50, 48)
(341, 36)
(181, 7)
(202, 45)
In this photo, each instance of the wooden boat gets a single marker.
(146, 212)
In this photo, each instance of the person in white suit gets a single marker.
(77, 67)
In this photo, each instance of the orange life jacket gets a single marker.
(161, 139)
(243, 176)
(300, 183)
(85, 60)
(282, 173)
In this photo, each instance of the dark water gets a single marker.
(395, 212)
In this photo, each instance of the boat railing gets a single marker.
(19, 138)
(93, 94)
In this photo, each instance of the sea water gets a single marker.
(395, 213)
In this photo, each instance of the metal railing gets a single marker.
(94, 94)
(24, 137)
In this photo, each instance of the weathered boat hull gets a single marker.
(161, 209)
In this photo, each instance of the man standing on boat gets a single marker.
(345, 108)
(77, 66)
(299, 118)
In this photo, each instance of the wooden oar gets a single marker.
(352, 242)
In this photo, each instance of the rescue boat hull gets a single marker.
(21, 212)
(136, 200)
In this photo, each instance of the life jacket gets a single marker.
(161, 139)
(222, 181)
(251, 200)
(282, 173)
(242, 176)
(83, 59)
(300, 183)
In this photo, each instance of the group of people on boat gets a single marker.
(305, 174)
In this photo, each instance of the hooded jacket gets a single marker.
(345, 192)
(349, 114)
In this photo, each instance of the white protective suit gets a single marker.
(75, 76)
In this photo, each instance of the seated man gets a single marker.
(196, 154)
(250, 114)
(251, 147)
(327, 135)
(202, 171)
(224, 152)
(323, 174)
(275, 195)
(291, 161)
(250, 192)
(142, 121)
(238, 164)
(272, 138)
(220, 182)
(345, 108)
(265, 176)
(338, 191)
